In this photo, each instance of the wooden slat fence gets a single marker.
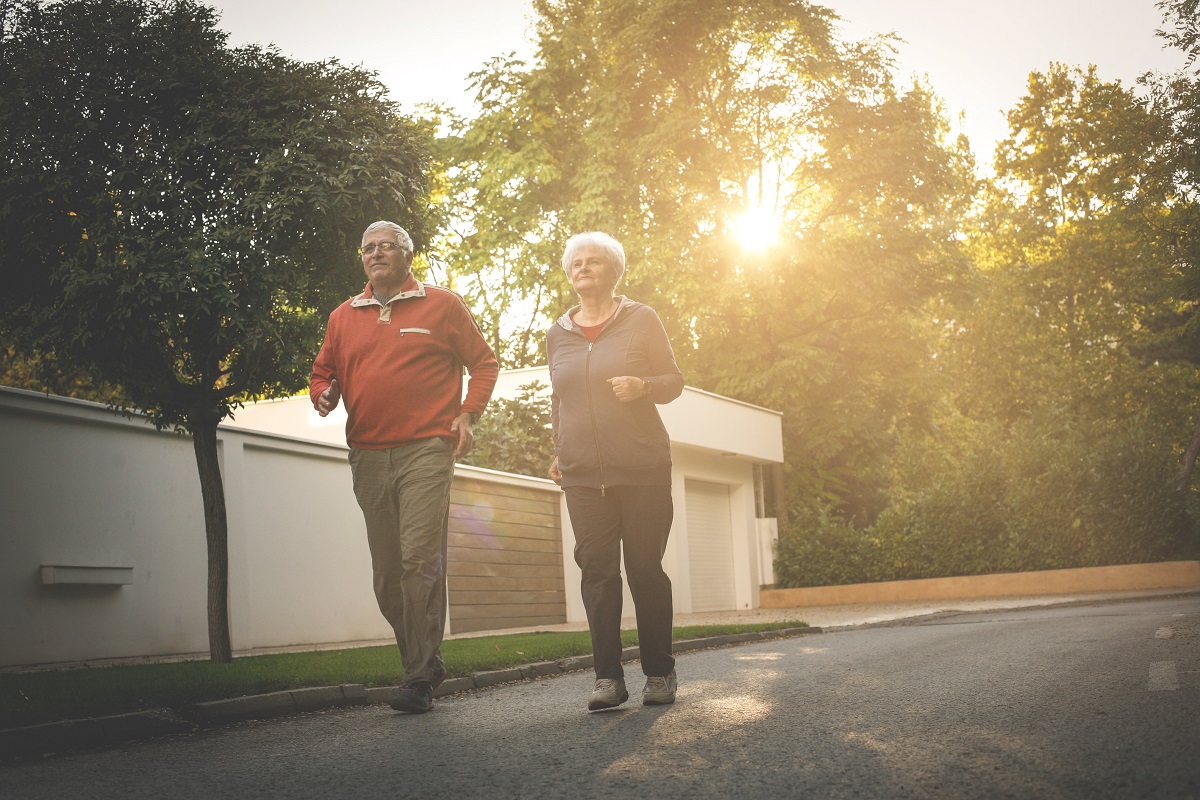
(505, 557)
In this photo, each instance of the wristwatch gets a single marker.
(647, 388)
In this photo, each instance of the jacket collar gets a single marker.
(412, 288)
(623, 306)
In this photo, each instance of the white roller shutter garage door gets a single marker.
(710, 546)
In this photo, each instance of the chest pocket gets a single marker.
(385, 318)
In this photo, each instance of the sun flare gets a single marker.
(756, 229)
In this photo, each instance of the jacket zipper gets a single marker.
(587, 382)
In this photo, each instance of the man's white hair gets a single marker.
(401, 235)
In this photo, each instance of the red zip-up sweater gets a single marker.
(399, 366)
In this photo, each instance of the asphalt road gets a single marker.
(1090, 701)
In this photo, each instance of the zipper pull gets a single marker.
(602, 490)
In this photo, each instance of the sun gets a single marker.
(756, 229)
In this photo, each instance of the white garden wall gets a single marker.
(102, 548)
(115, 500)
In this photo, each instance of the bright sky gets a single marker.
(977, 55)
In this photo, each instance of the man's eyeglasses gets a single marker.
(384, 247)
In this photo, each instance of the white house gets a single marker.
(721, 546)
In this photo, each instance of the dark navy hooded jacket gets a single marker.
(601, 441)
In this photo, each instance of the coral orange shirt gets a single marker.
(399, 365)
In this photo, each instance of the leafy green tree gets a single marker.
(1177, 98)
(663, 122)
(631, 118)
(836, 324)
(1067, 279)
(177, 217)
(515, 435)
(1056, 430)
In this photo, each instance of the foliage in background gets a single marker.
(514, 435)
(1066, 277)
(1051, 494)
(1176, 98)
(663, 122)
(43, 372)
(1066, 366)
(177, 217)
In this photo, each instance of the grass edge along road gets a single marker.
(32, 697)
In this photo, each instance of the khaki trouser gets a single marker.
(404, 493)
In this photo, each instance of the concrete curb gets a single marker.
(82, 733)
(274, 704)
(52, 737)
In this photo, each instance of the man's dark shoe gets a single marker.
(414, 698)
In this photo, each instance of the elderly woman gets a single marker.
(610, 364)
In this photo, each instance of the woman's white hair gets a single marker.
(401, 235)
(614, 253)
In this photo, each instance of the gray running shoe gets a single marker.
(609, 693)
(660, 691)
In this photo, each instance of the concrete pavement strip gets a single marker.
(73, 734)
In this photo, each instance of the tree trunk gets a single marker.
(216, 528)
(1189, 459)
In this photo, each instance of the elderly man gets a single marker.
(395, 354)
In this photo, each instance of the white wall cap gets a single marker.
(696, 418)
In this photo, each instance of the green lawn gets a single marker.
(30, 697)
